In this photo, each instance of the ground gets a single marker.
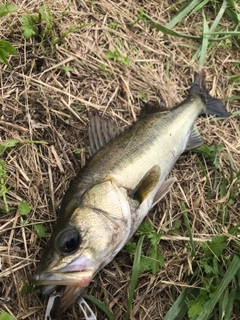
(47, 95)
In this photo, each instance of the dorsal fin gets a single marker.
(151, 107)
(100, 132)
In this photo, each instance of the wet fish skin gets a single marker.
(111, 195)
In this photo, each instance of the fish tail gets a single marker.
(214, 106)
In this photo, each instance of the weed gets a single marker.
(29, 288)
(142, 96)
(112, 24)
(105, 71)
(42, 26)
(3, 171)
(219, 275)
(116, 55)
(6, 48)
(66, 68)
(39, 24)
(6, 9)
(81, 150)
(3, 188)
(175, 229)
(153, 259)
(40, 230)
(6, 316)
(24, 208)
(216, 277)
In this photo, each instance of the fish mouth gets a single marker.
(69, 285)
(68, 281)
(79, 273)
(81, 278)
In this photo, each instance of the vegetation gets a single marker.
(42, 25)
(5, 47)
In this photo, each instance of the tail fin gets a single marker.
(214, 105)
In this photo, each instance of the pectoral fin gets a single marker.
(163, 190)
(147, 184)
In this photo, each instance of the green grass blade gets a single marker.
(186, 221)
(200, 6)
(135, 273)
(229, 308)
(101, 306)
(164, 30)
(208, 33)
(227, 33)
(232, 12)
(228, 277)
(231, 98)
(204, 46)
(6, 316)
(6, 9)
(222, 303)
(183, 13)
(233, 16)
(179, 308)
(219, 16)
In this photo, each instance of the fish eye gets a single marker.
(68, 241)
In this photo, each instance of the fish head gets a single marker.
(76, 250)
(84, 242)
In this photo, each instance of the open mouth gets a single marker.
(68, 281)
(68, 284)
(68, 295)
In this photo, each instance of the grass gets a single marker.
(71, 61)
(219, 292)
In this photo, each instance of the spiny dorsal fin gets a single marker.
(100, 132)
(195, 140)
(152, 107)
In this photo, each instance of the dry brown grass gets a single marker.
(39, 101)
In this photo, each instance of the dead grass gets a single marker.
(40, 101)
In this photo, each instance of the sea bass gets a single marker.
(121, 182)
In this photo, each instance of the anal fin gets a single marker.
(195, 140)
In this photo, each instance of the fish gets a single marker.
(126, 176)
